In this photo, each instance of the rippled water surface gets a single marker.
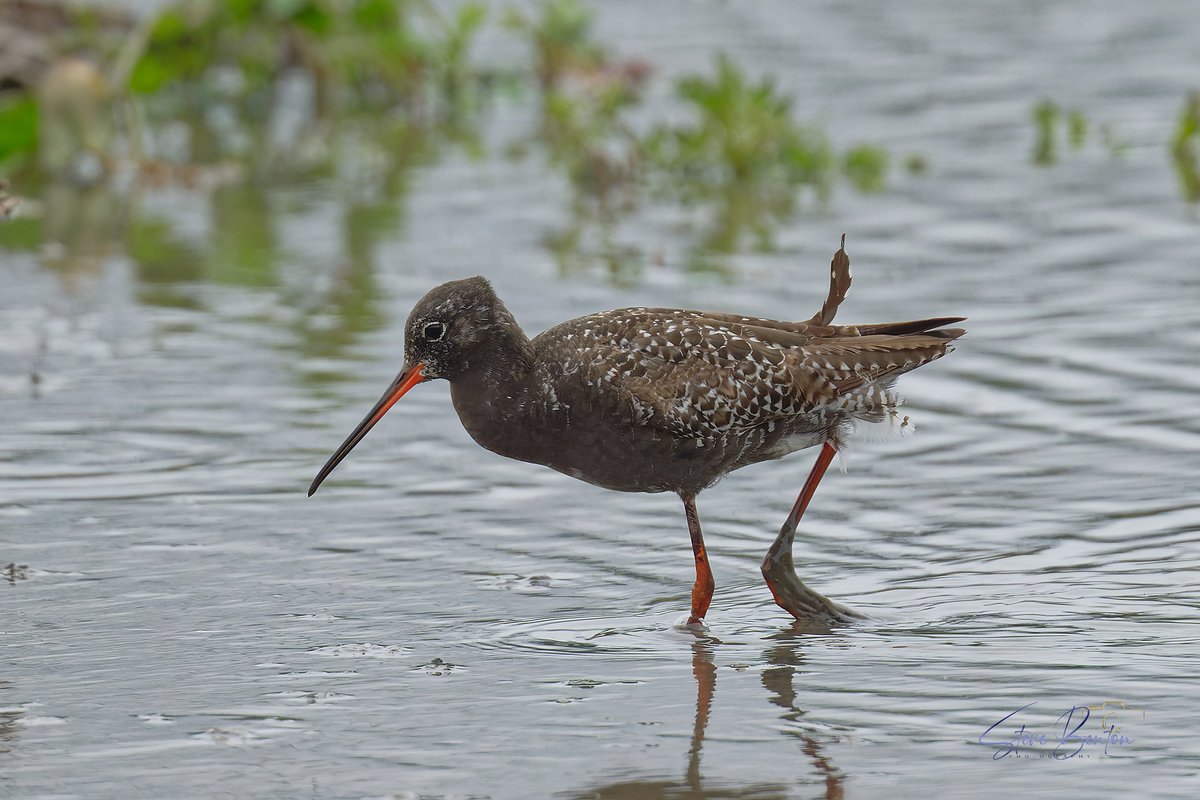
(178, 619)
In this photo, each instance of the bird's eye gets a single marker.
(434, 331)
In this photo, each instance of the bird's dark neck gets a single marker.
(501, 399)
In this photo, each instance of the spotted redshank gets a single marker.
(661, 399)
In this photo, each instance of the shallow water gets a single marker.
(179, 620)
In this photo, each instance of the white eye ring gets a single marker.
(434, 331)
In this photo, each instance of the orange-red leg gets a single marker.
(815, 475)
(789, 592)
(702, 589)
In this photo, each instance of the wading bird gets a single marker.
(664, 400)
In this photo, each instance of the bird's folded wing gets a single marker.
(698, 374)
(692, 374)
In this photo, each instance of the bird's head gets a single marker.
(451, 330)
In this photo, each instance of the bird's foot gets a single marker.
(692, 623)
(794, 597)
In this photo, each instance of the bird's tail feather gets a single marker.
(926, 326)
(839, 285)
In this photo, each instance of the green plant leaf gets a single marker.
(865, 166)
(18, 127)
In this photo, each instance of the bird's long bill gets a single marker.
(404, 381)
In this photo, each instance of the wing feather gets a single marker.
(697, 375)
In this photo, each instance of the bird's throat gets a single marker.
(502, 404)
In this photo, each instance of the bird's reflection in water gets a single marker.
(784, 657)
(704, 670)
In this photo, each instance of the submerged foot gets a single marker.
(692, 623)
(794, 597)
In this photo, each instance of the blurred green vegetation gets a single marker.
(1185, 148)
(743, 134)
(1077, 128)
(18, 127)
(266, 110)
(361, 54)
(561, 41)
(1052, 123)
(866, 167)
(244, 99)
(1046, 114)
(742, 152)
(584, 94)
(746, 159)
